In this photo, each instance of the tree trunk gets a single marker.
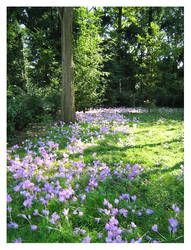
(67, 99)
(119, 47)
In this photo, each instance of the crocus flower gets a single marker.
(87, 239)
(99, 235)
(175, 208)
(45, 212)
(27, 203)
(80, 213)
(9, 199)
(33, 227)
(65, 212)
(82, 231)
(35, 213)
(94, 154)
(113, 221)
(155, 227)
(13, 225)
(75, 212)
(173, 222)
(149, 211)
(19, 240)
(133, 198)
(9, 209)
(116, 201)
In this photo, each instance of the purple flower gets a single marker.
(75, 212)
(33, 227)
(13, 225)
(74, 199)
(155, 227)
(45, 212)
(114, 211)
(128, 167)
(28, 185)
(107, 212)
(148, 238)
(35, 213)
(54, 218)
(76, 231)
(19, 240)
(116, 201)
(105, 203)
(94, 154)
(175, 208)
(27, 203)
(109, 205)
(87, 239)
(149, 211)
(113, 221)
(123, 211)
(173, 222)
(9, 199)
(9, 209)
(82, 231)
(99, 235)
(133, 198)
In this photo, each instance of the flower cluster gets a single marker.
(44, 178)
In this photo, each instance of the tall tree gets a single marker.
(67, 99)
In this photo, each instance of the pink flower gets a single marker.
(80, 214)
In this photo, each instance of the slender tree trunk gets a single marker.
(67, 99)
(119, 47)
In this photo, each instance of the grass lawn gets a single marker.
(114, 176)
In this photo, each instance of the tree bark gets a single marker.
(119, 47)
(67, 99)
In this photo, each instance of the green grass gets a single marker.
(157, 144)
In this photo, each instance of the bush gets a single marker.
(21, 111)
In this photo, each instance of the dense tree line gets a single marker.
(123, 56)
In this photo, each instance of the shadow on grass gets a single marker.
(148, 173)
(153, 117)
(104, 147)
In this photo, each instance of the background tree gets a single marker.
(88, 59)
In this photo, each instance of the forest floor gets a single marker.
(116, 175)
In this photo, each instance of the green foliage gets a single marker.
(148, 64)
(88, 60)
(21, 111)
